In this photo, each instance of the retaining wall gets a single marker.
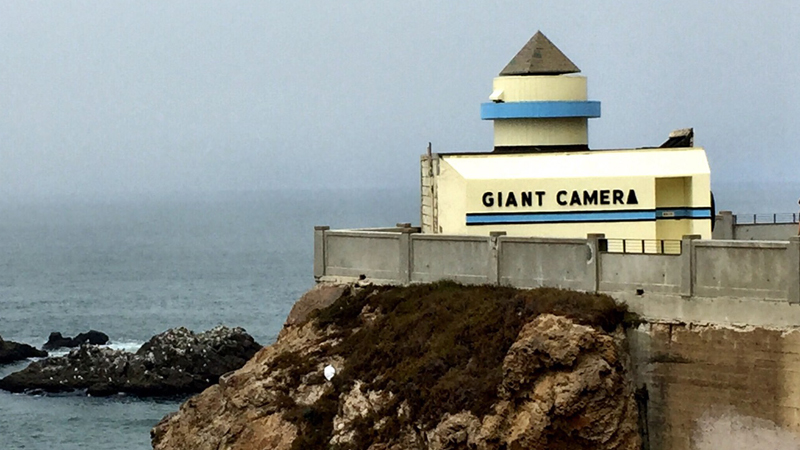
(711, 272)
(691, 371)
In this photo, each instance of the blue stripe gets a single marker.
(607, 216)
(684, 213)
(539, 110)
(587, 216)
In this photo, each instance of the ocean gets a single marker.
(134, 267)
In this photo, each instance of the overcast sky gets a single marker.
(114, 97)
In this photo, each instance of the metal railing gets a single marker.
(642, 246)
(773, 218)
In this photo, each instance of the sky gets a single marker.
(107, 98)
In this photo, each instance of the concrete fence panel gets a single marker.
(765, 231)
(753, 269)
(620, 272)
(370, 253)
(706, 269)
(460, 258)
(535, 262)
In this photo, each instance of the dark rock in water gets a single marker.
(171, 363)
(56, 340)
(92, 337)
(13, 351)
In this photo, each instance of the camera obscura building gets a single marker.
(541, 179)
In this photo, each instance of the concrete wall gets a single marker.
(705, 270)
(629, 272)
(432, 256)
(767, 228)
(691, 371)
(765, 231)
(534, 262)
(369, 253)
(750, 269)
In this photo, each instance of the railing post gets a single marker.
(793, 253)
(725, 226)
(319, 251)
(404, 275)
(688, 264)
(593, 241)
(493, 275)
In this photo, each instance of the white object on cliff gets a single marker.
(329, 372)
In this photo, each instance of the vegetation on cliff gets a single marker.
(438, 347)
(430, 366)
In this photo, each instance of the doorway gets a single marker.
(673, 203)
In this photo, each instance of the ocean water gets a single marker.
(138, 266)
(135, 267)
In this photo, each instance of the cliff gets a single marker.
(439, 366)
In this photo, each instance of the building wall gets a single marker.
(541, 88)
(520, 132)
(541, 131)
(478, 194)
(427, 195)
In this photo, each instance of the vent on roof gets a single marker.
(683, 137)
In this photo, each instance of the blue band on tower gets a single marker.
(539, 110)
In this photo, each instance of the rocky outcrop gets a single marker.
(171, 363)
(12, 351)
(91, 337)
(427, 367)
(319, 297)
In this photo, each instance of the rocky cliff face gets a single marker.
(426, 367)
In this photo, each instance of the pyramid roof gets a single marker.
(539, 57)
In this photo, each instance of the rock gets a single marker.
(563, 387)
(248, 404)
(13, 351)
(56, 340)
(171, 363)
(92, 337)
(454, 432)
(559, 384)
(320, 296)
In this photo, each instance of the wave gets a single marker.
(125, 345)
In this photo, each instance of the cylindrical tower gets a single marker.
(536, 106)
